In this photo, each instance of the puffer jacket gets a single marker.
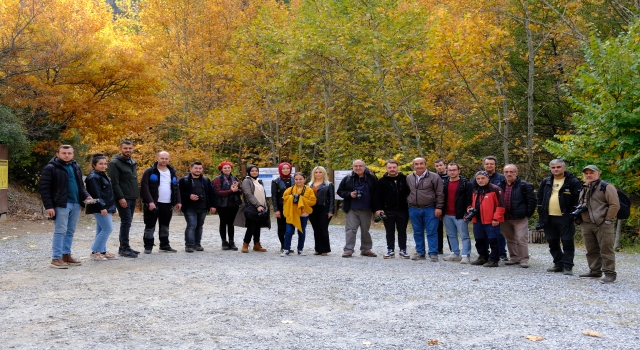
(54, 184)
(124, 177)
(99, 187)
(151, 182)
(428, 192)
(491, 203)
(523, 200)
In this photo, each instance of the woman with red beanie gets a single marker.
(227, 191)
(278, 186)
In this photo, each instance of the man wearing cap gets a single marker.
(557, 197)
(599, 203)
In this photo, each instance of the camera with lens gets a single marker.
(358, 194)
(380, 217)
(296, 198)
(578, 210)
(470, 214)
(262, 214)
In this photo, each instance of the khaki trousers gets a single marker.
(516, 232)
(598, 241)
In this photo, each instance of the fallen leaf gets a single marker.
(534, 337)
(287, 321)
(432, 342)
(592, 333)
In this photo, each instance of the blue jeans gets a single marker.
(195, 220)
(301, 235)
(454, 226)
(421, 220)
(65, 227)
(104, 227)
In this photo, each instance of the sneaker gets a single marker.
(504, 257)
(148, 251)
(608, 278)
(135, 251)
(225, 245)
(110, 256)
(555, 268)
(285, 253)
(480, 261)
(418, 256)
(490, 264)
(452, 257)
(567, 272)
(199, 248)
(389, 254)
(368, 253)
(433, 258)
(465, 259)
(591, 274)
(524, 265)
(403, 254)
(98, 257)
(302, 253)
(128, 253)
(189, 249)
(347, 254)
(167, 249)
(58, 264)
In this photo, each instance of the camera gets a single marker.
(470, 214)
(296, 198)
(380, 217)
(578, 210)
(358, 194)
(262, 214)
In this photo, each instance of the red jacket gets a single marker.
(491, 204)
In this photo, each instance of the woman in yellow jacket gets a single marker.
(297, 202)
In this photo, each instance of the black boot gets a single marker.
(225, 245)
(164, 240)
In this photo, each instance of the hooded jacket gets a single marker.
(123, 173)
(491, 203)
(569, 195)
(151, 182)
(54, 184)
(99, 187)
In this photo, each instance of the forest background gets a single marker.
(323, 82)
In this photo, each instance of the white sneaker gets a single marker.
(285, 253)
(452, 257)
(465, 259)
(302, 253)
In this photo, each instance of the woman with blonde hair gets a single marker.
(298, 201)
(322, 210)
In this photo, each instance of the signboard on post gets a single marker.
(4, 174)
(267, 175)
(338, 175)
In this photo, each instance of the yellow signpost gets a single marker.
(4, 174)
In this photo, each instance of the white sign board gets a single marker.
(338, 175)
(267, 175)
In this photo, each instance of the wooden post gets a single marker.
(4, 181)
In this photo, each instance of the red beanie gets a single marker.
(223, 164)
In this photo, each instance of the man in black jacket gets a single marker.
(160, 193)
(390, 199)
(457, 198)
(357, 190)
(520, 204)
(197, 198)
(123, 173)
(558, 195)
(62, 192)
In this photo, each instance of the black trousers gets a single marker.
(162, 214)
(396, 220)
(226, 216)
(560, 229)
(282, 228)
(253, 231)
(320, 223)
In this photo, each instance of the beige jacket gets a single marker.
(601, 205)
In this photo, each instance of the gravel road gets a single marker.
(228, 300)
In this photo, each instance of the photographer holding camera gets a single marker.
(390, 204)
(557, 197)
(599, 205)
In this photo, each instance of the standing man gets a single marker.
(457, 198)
(490, 164)
(520, 204)
(197, 198)
(123, 173)
(160, 193)
(558, 195)
(441, 169)
(62, 191)
(357, 189)
(390, 199)
(426, 200)
(600, 204)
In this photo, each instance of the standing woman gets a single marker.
(323, 210)
(227, 192)
(278, 186)
(298, 202)
(99, 187)
(254, 211)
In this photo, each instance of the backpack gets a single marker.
(625, 202)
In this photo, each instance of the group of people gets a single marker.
(498, 206)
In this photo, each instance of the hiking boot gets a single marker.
(555, 268)
(168, 249)
(98, 257)
(245, 247)
(148, 251)
(199, 248)
(608, 278)
(128, 253)
(189, 249)
(465, 259)
(389, 254)
(480, 261)
(433, 258)
(225, 245)
(418, 256)
(58, 264)
(258, 248)
(452, 257)
(232, 246)
(504, 257)
(70, 260)
(347, 254)
(567, 272)
(403, 254)
(368, 253)
(524, 265)
(591, 274)
(490, 264)
(511, 262)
